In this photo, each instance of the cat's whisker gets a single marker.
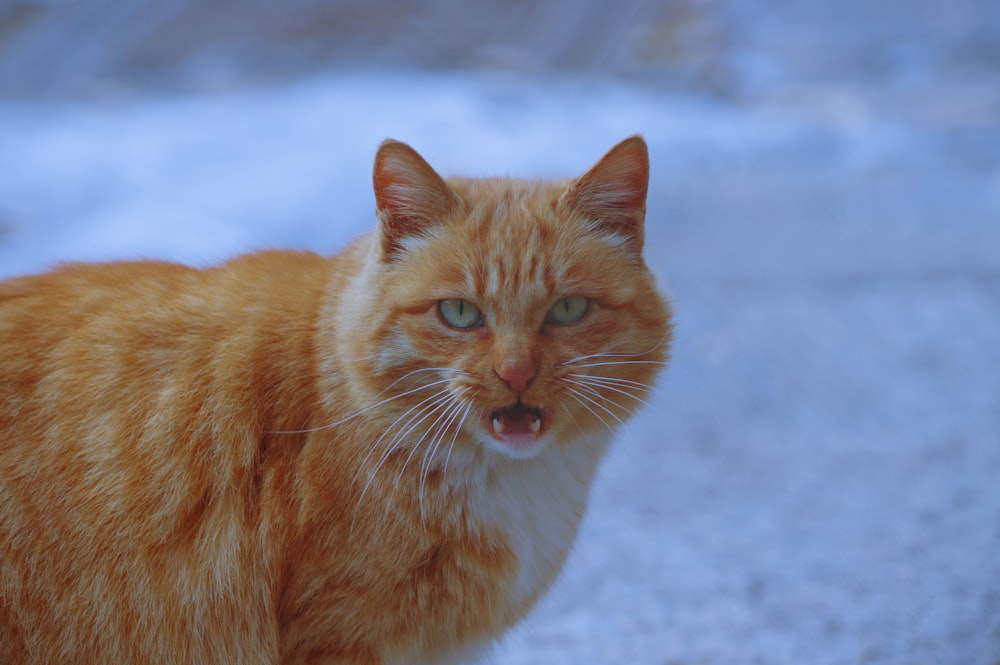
(631, 392)
(423, 413)
(391, 426)
(613, 380)
(599, 404)
(453, 412)
(572, 418)
(436, 427)
(584, 387)
(425, 466)
(366, 409)
(606, 386)
(438, 399)
(445, 379)
(614, 354)
(577, 396)
(454, 437)
(423, 410)
(604, 400)
(595, 390)
(443, 404)
(622, 362)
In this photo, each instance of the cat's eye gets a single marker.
(568, 310)
(460, 314)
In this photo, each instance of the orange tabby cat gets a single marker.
(380, 457)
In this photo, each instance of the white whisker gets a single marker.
(590, 389)
(439, 394)
(605, 400)
(605, 386)
(571, 417)
(441, 398)
(454, 437)
(425, 464)
(443, 404)
(623, 362)
(376, 405)
(449, 417)
(598, 404)
(612, 380)
(613, 354)
(399, 439)
(437, 399)
(576, 395)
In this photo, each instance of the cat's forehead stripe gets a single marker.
(516, 250)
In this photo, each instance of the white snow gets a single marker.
(818, 478)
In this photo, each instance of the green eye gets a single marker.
(568, 310)
(460, 314)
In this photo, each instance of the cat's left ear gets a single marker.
(612, 194)
(410, 196)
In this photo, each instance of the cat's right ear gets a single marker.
(410, 196)
(612, 194)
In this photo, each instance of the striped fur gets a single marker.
(294, 459)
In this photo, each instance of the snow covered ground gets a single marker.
(817, 479)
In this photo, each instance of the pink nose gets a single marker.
(517, 373)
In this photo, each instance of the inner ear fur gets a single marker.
(612, 194)
(410, 196)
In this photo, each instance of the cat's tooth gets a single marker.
(536, 424)
(498, 426)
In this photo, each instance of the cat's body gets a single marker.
(297, 459)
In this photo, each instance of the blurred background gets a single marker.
(817, 478)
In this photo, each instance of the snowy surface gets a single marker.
(817, 479)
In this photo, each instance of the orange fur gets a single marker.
(296, 459)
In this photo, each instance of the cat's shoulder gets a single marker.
(117, 274)
(124, 276)
(121, 295)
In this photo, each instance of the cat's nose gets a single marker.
(517, 373)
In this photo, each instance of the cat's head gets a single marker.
(513, 313)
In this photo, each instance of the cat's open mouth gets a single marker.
(516, 425)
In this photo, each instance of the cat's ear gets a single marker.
(410, 196)
(612, 194)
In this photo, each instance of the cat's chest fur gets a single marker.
(468, 555)
(538, 507)
(533, 509)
